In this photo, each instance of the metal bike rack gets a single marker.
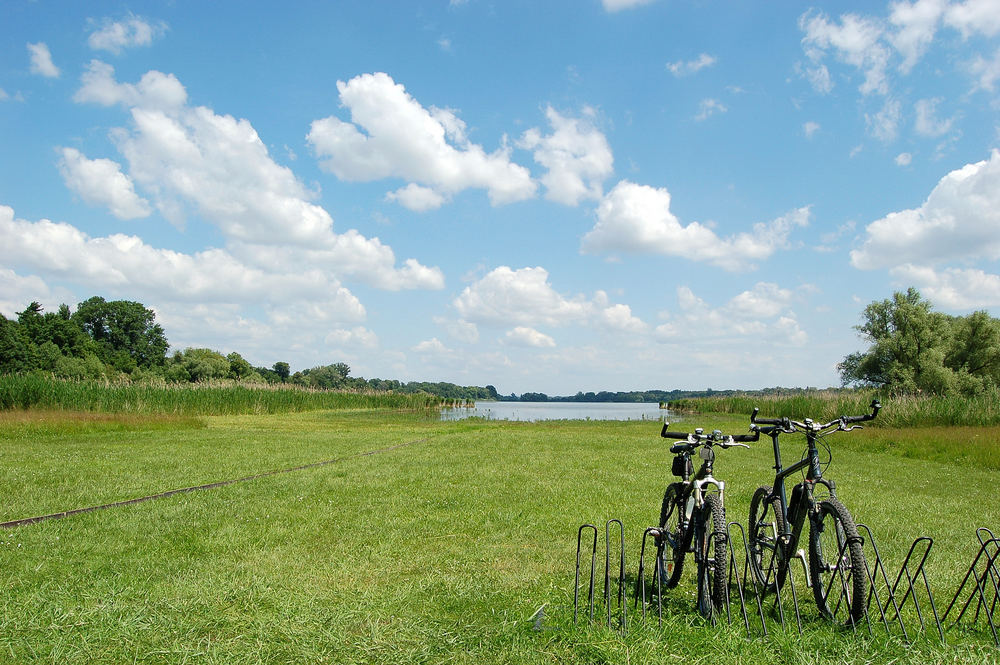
(902, 603)
(986, 581)
(620, 595)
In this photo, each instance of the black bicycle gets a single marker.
(693, 517)
(837, 564)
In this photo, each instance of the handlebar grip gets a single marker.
(674, 435)
(764, 421)
(741, 438)
(875, 406)
(679, 448)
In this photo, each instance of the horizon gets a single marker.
(578, 197)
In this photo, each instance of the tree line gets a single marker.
(912, 349)
(110, 340)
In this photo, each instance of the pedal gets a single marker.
(801, 556)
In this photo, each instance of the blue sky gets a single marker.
(553, 196)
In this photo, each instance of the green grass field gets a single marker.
(437, 551)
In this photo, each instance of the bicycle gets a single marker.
(835, 548)
(693, 517)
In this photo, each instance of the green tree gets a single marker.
(125, 333)
(914, 349)
(283, 370)
(17, 352)
(197, 365)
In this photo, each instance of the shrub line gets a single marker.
(222, 483)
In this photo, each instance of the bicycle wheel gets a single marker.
(713, 560)
(768, 563)
(676, 540)
(837, 563)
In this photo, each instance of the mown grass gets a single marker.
(440, 551)
(898, 411)
(40, 391)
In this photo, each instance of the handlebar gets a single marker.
(788, 425)
(688, 441)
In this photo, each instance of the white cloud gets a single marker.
(952, 288)
(432, 346)
(974, 17)
(403, 139)
(358, 336)
(114, 36)
(463, 331)
(927, 123)
(855, 40)
(709, 107)
(3, 95)
(762, 313)
(916, 24)
(681, 68)
(524, 297)
(637, 218)
(41, 61)
(576, 154)
(619, 5)
(18, 291)
(122, 262)
(810, 128)
(986, 72)
(524, 336)
(904, 159)
(884, 125)
(101, 182)
(959, 220)
(417, 198)
(190, 158)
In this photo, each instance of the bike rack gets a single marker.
(620, 595)
(898, 602)
(989, 551)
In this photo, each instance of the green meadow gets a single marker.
(438, 549)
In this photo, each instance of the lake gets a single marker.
(532, 411)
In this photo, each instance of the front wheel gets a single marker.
(675, 539)
(713, 560)
(837, 563)
(768, 564)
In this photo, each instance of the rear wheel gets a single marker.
(674, 540)
(768, 564)
(837, 563)
(713, 560)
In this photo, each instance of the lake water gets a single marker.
(532, 411)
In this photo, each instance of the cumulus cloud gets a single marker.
(952, 288)
(986, 72)
(637, 218)
(810, 128)
(682, 68)
(190, 159)
(916, 24)
(855, 40)
(41, 61)
(358, 336)
(904, 159)
(884, 125)
(763, 313)
(974, 17)
(60, 250)
(391, 135)
(576, 154)
(959, 220)
(101, 182)
(524, 336)
(526, 298)
(115, 36)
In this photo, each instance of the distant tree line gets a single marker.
(634, 396)
(114, 339)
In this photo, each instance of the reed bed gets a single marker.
(39, 391)
(897, 411)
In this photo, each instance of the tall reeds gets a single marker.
(897, 411)
(39, 391)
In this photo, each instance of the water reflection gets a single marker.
(532, 411)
